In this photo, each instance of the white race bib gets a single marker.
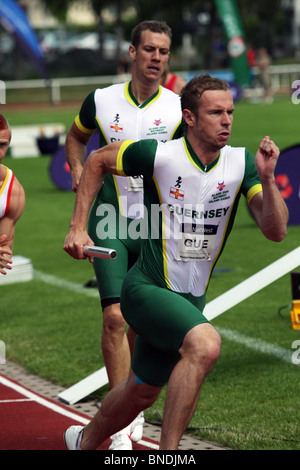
(196, 242)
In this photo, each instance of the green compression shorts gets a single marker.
(104, 230)
(161, 318)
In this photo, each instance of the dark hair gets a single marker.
(194, 89)
(153, 26)
(3, 123)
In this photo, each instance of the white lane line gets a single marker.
(43, 401)
(56, 408)
(17, 400)
(258, 345)
(62, 283)
(148, 444)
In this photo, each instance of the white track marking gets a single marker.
(17, 400)
(253, 284)
(263, 347)
(42, 401)
(52, 406)
(57, 282)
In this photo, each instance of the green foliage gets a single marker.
(59, 8)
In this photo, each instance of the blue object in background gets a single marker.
(59, 168)
(14, 20)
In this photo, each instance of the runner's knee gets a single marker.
(202, 345)
(144, 393)
(113, 319)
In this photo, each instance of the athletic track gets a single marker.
(31, 422)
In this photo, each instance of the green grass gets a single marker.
(250, 400)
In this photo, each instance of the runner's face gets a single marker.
(152, 55)
(215, 116)
(4, 142)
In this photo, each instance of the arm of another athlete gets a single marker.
(8, 224)
(75, 149)
(268, 206)
(97, 165)
(78, 137)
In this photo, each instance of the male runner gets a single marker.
(139, 109)
(12, 201)
(192, 187)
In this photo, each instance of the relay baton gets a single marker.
(99, 252)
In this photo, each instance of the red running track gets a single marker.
(32, 422)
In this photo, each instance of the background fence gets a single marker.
(73, 88)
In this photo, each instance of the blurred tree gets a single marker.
(263, 21)
(58, 8)
(170, 11)
(98, 7)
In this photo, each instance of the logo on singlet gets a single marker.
(221, 186)
(158, 128)
(176, 193)
(221, 195)
(116, 126)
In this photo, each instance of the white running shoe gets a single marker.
(137, 428)
(121, 440)
(73, 436)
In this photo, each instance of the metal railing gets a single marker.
(55, 85)
(282, 77)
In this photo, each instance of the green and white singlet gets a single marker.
(191, 208)
(116, 114)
